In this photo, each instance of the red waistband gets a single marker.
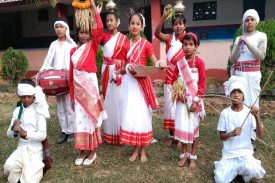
(248, 66)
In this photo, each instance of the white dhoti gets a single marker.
(247, 166)
(24, 165)
(66, 115)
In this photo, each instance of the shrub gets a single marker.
(99, 62)
(14, 65)
(268, 63)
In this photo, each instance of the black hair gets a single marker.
(112, 13)
(139, 16)
(180, 17)
(27, 81)
(62, 19)
(190, 37)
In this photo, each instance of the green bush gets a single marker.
(99, 62)
(268, 63)
(14, 65)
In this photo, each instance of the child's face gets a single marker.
(60, 30)
(250, 24)
(189, 47)
(135, 25)
(27, 100)
(178, 27)
(84, 36)
(237, 95)
(111, 22)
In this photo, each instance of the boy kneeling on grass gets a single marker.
(29, 124)
(235, 130)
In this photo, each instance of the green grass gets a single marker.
(112, 164)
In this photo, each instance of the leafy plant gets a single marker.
(99, 62)
(14, 65)
(268, 63)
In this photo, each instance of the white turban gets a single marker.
(252, 13)
(233, 83)
(68, 37)
(42, 106)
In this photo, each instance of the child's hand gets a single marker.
(16, 122)
(99, 7)
(236, 131)
(255, 111)
(131, 71)
(242, 39)
(16, 128)
(167, 10)
(194, 107)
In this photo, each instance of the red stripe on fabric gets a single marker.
(87, 141)
(179, 55)
(186, 136)
(148, 91)
(135, 139)
(111, 139)
(169, 124)
(104, 80)
(170, 77)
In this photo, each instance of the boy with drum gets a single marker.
(58, 58)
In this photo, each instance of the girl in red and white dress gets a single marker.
(189, 105)
(137, 96)
(84, 92)
(115, 49)
(174, 53)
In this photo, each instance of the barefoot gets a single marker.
(169, 142)
(133, 157)
(143, 158)
(192, 165)
(182, 162)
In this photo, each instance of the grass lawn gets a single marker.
(112, 164)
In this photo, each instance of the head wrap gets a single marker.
(233, 83)
(68, 37)
(252, 13)
(42, 106)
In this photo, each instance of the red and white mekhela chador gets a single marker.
(114, 50)
(192, 73)
(84, 92)
(174, 54)
(247, 58)
(137, 99)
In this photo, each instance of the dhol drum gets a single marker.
(54, 82)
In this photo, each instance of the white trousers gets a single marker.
(24, 165)
(65, 113)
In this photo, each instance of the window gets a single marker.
(204, 10)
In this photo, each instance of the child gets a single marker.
(248, 51)
(114, 51)
(137, 94)
(174, 53)
(84, 92)
(189, 105)
(25, 163)
(237, 153)
(58, 58)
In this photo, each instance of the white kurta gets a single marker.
(237, 153)
(257, 42)
(25, 163)
(58, 58)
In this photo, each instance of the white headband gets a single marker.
(233, 83)
(25, 89)
(252, 13)
(42, 106)
(68, 37)
(143, 21)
